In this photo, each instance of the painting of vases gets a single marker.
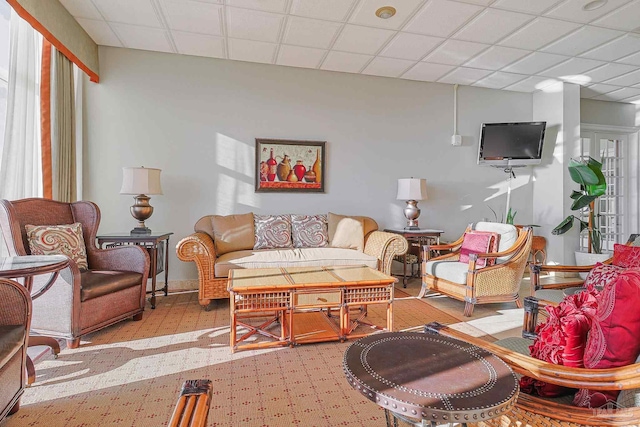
(290, 166)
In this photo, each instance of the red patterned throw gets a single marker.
(626, 256)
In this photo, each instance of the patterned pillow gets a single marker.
(272, 231)
(601, 275)
(626, 256)
(309, 231)
(479, 242)
(58, 240)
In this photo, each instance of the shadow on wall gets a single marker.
(551, 145)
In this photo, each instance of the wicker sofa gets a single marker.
(378, 252)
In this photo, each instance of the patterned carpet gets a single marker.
(130, 374)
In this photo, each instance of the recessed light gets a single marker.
(386, 12)
(593, 5)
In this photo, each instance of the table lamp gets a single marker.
(141, 182)
(412, 190)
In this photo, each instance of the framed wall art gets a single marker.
(290, 166)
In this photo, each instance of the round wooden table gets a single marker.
(430, 379)
(26, 267)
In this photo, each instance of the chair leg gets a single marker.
(423, 291)
(31, 372)
(137, 317)
(519, 303)
(15, 408)
(468, 309)
(74, 343)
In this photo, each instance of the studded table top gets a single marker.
(429, 376)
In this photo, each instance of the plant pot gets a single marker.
(586, 258)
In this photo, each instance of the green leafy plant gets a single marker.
(511, 215)
(588, 174)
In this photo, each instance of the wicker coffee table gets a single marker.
(305, 304)
(430, 379)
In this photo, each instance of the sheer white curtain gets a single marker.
(21, 164)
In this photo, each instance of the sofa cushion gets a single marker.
(346, 232)
(58, 240)
(11, 340)
(476, 242)
(309, 231)
(453, 271)
(98, 283)
(233, 232)
(272, 231)
(508, 236)
(294, 257)
(626, 256)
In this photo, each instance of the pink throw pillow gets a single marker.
(613, 339)
(561, 340)
(478, 242)
(626, 256)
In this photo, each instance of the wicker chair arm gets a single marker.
(198, 247)
(621, 378)
(15, 302)
(122, 258)
(385, 246)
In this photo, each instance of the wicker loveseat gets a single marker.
(379, 249)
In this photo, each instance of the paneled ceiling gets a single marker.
(519, 45)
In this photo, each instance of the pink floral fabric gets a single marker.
(272, 231)
(626, 256)
(309, 231)
(601, 275)
(478, 242)
(58, 240)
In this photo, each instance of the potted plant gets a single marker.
(588, 174)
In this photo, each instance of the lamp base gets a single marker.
(141, 231)
(412, 227)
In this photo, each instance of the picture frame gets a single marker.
(289, 166)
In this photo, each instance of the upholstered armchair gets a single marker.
(15, 316)
(473, 282)
(78, 302)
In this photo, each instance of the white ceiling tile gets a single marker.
(253, 25)
(441, 17)
(427, 72)
(136, 37)
(618, 95)
(193, 16)
(135, 12)
(330, 10)
(572, 67)
(571, 10)
(496, 57)
(535, 62)
(499, 80)
(479, 2)
(252, 51)
(464, 76)
(582, 40)
(631, 59)
(345, 62)
(365, 13)
(596, 89)
(531, 84)
(633, 99)
(296, 56)
(609, 71)
(615, 49)
(279, 6)
(365, 40)
(627, 18)
(527, 6)
(629, 79)
(310, 32)
(387, 67)
(492, 25)
(410, 46)
(199, 44)
(455, 52)
(539, 32)
(81, 9)
(100, 32)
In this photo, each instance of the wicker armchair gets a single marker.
(473, 285)
(534, 411)
(15, 317)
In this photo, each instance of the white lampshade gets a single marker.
(141, 181)
(412, 189)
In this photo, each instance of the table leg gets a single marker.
(166, 269)
(154, 268)
(232, 332)
(404, 270)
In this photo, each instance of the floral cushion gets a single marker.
(477, 242)
(613, 338)
(561, 340)
(272, 231)
(601, 275)
(309, 231)
(58, 240)
(626, 256)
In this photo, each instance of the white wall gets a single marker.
(197, 119)
(608, 113)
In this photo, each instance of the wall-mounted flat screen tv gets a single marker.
(511, 144)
